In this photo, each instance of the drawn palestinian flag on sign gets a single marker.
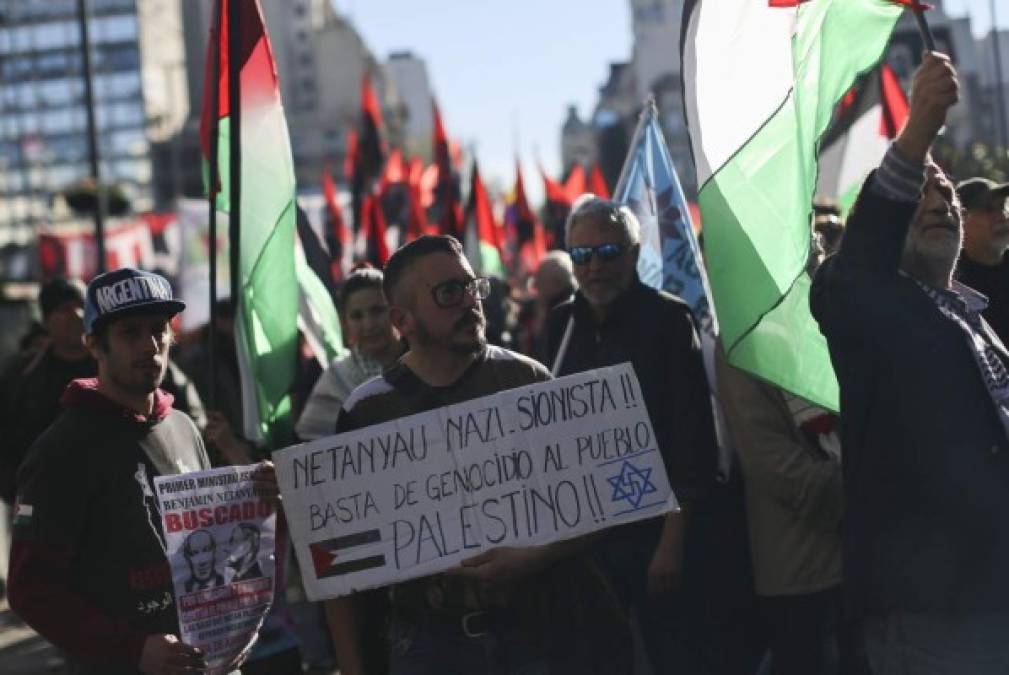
(349, 553)
(869, 117)
(22, 513)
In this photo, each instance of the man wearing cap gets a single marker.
(983, 263)
(88, 565)
(32, 385)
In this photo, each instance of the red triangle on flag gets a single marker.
(322, 558)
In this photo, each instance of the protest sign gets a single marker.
(220, 544)
(522, 467)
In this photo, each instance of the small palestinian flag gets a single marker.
(23, 513)
(868, 118)
(344, 555)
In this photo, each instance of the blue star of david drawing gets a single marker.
(631, 484)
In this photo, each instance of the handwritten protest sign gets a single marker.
(417, 495)
(220, 544)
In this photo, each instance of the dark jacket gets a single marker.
(654, 331)
(926, 459)
(88, 567)
(30, 390)
(993, 281)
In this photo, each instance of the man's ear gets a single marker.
(91, 344)
(401, 319)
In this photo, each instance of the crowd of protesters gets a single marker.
(870, 542)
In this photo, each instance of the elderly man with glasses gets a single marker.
(614, 318)
(507, 611)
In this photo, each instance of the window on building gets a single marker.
(116, 57)
(129, 142)
(61, 91)
(118, 28)
(135, 170)
(58, 121)
(55, 35)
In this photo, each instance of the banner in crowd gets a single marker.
(220, 543)
(523, 467)
(148, 241)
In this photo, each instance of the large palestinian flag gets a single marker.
(762, 79)
(868, 118)
(266, 307)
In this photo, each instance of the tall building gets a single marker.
(994, 82)
(409, 74)
(140, 98)
(656, 28)
(653, 71)
(321, 59)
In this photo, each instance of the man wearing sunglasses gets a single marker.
(983, 264)
(509, 610)
(614, 318)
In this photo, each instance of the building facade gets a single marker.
(140, 98)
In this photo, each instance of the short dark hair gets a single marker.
(407, 255)
(58, 291)
(360, 279)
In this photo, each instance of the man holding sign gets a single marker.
(88, 565)
(506, 610)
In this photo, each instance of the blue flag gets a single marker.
(670, 257)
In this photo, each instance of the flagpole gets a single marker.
(235, 151)
(648, 111)
(212, 187)
(94, 151)
(926, 32)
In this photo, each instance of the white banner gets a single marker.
(220, 538)
(417, 495)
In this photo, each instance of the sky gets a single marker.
(504, 71)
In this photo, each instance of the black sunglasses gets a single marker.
(450, 293)
(582, 255)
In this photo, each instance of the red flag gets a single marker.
(913, 5)
(447, 198)
(417, 223)
(524, 226)
(558, 205)
(339, 229)
(895, 105)
(575, 185)
(597, 183)
(370, 148)
(350, 156)
(395, 171)
(482, 239)
(372, 233)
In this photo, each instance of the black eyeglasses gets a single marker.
(450, 293)
(582, 255)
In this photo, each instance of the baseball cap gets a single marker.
(127, 291)
(58, 292)
(978, 193)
